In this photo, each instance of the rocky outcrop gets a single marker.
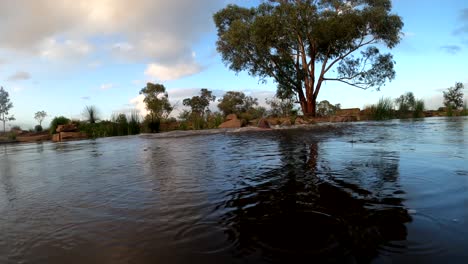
(68, 136)
(231, 122)
(33, 138)
(68, 132)
(56, 137)
(286, 122)
(67, 128)
(300, 121)
(263, 123)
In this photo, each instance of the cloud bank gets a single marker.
(159, 33)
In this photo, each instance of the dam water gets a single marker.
(370, 192)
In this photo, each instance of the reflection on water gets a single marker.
(368, 192)
(301, 210)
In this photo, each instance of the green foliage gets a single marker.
(199, 104)
(383, 110)
(61, 120)
(122, 125)
(5, 106)
(236, 103)
(325, 108)
(405, 103)
(134, 123)
(253, 113)
(289, 40)
(464, 111)
(449, 110)
(157, 103)
(39, 116)
(119, 125)
(199, 109)
(12, 136)
(38, 128)
(453, 97)
(419, 109)
(281, 106)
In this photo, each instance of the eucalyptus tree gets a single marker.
(300, 43)
(157, 104)
(5, 106)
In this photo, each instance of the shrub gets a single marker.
(38, 128)
(61, 120)
(134, 123)
(418, 109)
(383, 110)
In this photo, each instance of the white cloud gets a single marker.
(68, 50)
(106, 86)
(139, 105)
(145, 31)
(19, 76)
(171, 72)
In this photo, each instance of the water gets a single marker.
(387, 192)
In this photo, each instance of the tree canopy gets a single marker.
(199, 104)
(5, 106)
(236, 103)
(39, 116)
(453, 97)
(156, 100)
(299, 43)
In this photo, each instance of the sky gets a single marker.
(60, 56)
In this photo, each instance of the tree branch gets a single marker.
(361, 44)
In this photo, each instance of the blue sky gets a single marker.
(61, 56)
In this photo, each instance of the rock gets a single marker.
(67, 128)
(300, 121)
(231, 117)
(233, 123)
(286, 122)
(66, 136)
(56, 137)
(29, 138)
(263, 123)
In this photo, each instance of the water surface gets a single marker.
(376, 192)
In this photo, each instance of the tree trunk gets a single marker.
(308, 106)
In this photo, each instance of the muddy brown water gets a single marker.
(375, 192)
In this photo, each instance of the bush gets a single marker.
(61, 120)
(38, 128)
(383, 110)
(418, 109)
(12, 136)
(465, 109)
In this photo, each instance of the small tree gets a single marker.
(5, 106)
(199, 104)
(157, 103)
(406, 102)
(39, 116)
(122, 123)
(236, 103)
(91, 114)
(453, 97)
(325, 108)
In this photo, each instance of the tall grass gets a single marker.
(383, 110)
